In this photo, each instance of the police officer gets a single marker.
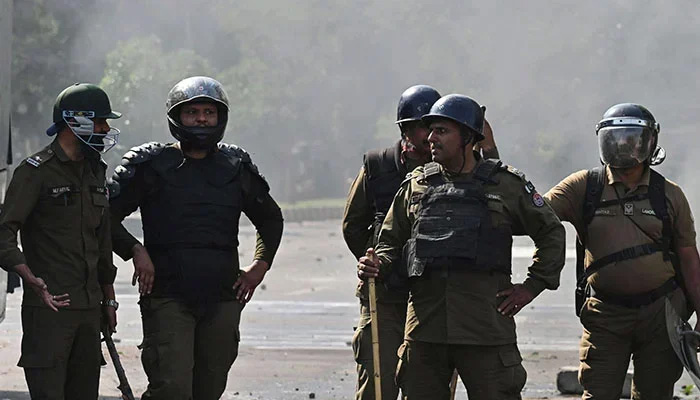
(637, 231)
(57, 200)
(369, 199)
(453, 221)
(191, 194)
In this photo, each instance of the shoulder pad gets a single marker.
(143, 153)
(36, 159)
(416, 173)
(514, 171)
(232, 150)
(528, 186)
(430, 169)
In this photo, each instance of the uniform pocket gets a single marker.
(497, 212)
(515, 375)
(362, 344)
(40, 340)
(510, 357)
(153, 348)
(100, 200)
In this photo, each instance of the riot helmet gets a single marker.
(462, 110)
(77, 106)
(197, 89)
(628, 136)
(414, 103)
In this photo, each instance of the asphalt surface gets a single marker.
(296, 332)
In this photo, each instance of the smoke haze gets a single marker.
(314, 84)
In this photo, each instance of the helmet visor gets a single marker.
(625, 146)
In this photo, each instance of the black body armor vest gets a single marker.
(453, 227)
(190, 212)
(385, 173)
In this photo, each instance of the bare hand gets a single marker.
(250, 278)
(53, 302)
(368, 266)
(144, 272)
(110, 314)
(516, 298)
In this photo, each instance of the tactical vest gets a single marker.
(190, 212)
(657, 198)
(453, 226)
(385, 172)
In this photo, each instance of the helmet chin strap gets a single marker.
(465, 142)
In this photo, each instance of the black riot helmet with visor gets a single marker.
(197, 89)
(628, 136)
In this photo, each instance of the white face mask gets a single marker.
(82, 125)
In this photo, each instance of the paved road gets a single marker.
(296, 332)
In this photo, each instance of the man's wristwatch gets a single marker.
(111, 303)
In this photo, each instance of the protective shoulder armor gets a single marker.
(36, 159)
(135, 156)
(143, 153)
(232, 150)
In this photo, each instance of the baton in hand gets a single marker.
(124, 386)
(375, 331)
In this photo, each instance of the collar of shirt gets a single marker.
(614, 177)
(58, 150)
(453, 175)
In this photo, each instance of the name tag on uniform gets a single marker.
(59, 190)
(629, 208)
(493, 196)
(648, 211)
(604, 211)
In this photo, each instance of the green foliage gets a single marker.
(138, 75)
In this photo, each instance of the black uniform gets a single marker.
(190, 210)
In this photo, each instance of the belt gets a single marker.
(637, 300)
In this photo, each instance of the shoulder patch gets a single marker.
(537, 200)
(39, 158)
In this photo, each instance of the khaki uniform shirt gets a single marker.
(459, 306)
(60, 208)
(358, 220)
(611, 230)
